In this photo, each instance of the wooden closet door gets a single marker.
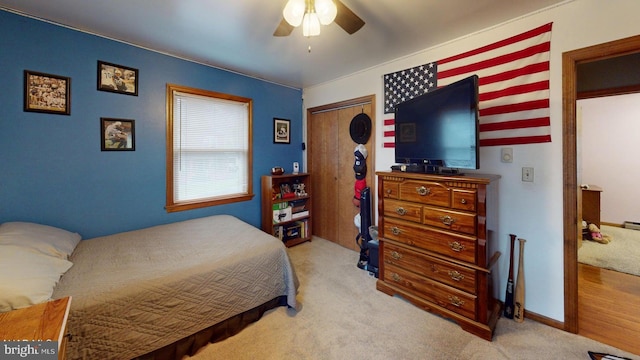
(322, 137)
(331, 158)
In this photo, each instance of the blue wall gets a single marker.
(52, 170)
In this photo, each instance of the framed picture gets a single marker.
(286, 191)
(47, 93)
(117, 78)
(117, 134)
(281, 131)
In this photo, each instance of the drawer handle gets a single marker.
(395, 231)
(396, 255)
(456, 301)
(456, 275)
(395, 277)
(463, 201)
(423, 191)
(388, 191)
(401, 211)
(456, 246)
(447, 220)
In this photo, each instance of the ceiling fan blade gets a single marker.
(283, 29)
(347, 19)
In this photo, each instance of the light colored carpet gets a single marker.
(621, 254)
(343, 316)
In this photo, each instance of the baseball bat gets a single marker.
(519, 292)
(508, 297)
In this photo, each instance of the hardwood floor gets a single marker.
(613, 319)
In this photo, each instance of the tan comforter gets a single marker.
(138, 291)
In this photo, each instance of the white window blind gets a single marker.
(210, 147)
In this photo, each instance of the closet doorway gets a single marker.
(330, 160)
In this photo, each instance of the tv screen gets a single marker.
(440, 128)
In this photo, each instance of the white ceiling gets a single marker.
(237, 34)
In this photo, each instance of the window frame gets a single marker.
(171, 204)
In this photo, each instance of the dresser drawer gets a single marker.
(450, 220)
(445, 272)
(425, 192)
(390, 190)
(463, 199)
(403, 210)
(442, 295)
(457, 246)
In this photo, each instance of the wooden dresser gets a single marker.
(437, 245)
(46, 321)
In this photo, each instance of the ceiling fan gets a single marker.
(344, 17)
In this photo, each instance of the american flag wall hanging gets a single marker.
(513, 87)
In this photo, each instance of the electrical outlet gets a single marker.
(527, 174)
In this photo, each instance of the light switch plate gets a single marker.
(527, 174)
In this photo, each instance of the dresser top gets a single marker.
(469, 177)
(38, 322)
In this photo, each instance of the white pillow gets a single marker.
(43, 238)
(27, 277)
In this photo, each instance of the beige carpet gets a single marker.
(621, 254)
(343, 316)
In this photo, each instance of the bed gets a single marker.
(164, 291)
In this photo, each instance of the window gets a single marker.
(208, 148)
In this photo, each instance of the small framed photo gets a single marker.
(117, 134)
(286, 191)
(281, 131)
(47, 93)
(117, 78)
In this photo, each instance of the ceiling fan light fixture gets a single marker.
(326, 11)
(310, 24)
(294, 12)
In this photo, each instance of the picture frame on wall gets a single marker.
(117, 78)
(47, 93)
(281, 131)
(117, 134)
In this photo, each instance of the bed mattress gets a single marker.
(138, 291)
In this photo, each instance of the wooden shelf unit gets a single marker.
(272, 197)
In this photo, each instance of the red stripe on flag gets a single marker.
(498, 60)
(389, 145)
(511, 74)
(389, 121)
(514, 90)
(524, 106)
(512, 40)
(389, 133)
(516, 140)
(516, 124)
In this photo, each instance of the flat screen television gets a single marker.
(437, 132)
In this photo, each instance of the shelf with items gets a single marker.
(286, 207)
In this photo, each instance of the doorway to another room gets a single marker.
(599, 303)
